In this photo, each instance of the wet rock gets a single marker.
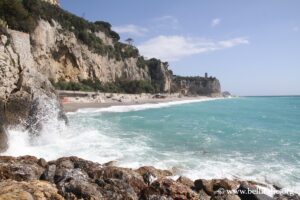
(223, 194)
(167, 188)
(24, 168)
(186, 181)
(203, 195)
(249, 192)
(134, 179)
(206, 185)
(117, 189)
(49, 173)
(110, 163)
(286, 197)
(3, 139)
(42, 162)
(157, 173)
(209, 186)
(32, 190)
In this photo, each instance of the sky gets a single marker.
(252, 47)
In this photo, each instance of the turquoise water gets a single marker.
(255, 138)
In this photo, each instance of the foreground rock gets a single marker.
(28, 190)
(73, 178)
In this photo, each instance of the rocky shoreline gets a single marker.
(74, 178)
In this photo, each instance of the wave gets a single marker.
(99, 139)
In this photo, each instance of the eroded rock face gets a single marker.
(71, 60)
(25, 93)
(208, 86)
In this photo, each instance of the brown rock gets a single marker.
(209, 186)
(24, 168)
(131, 177)
(225, 184)
(168, 188)
(42, 162)
(3, 139)
(32, 190)
(158, 173)
(185, 181)
(206, 185)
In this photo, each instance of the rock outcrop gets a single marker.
(197, 85)
(70, 60)
(59, 46)
(74, 178)
(26, 95)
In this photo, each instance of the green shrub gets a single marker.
(119, 86)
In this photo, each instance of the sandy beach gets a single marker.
(72, 101)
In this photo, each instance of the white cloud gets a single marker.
(173, 48)
(166, 21)
(215, 22)
(131, 29)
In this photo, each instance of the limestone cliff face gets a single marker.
(25, 94)
(197, 86)
(60, 56)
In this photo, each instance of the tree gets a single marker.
(129, 41)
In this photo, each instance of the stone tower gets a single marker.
(54, 2)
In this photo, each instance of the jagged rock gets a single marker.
(286, 197)
(77, 178)
(24, 168)
(203, 195)
(3, 139)
(131, 177)
(209, 86)
(186, 181)
(168, 188)
(250, 192)
(206, 185)
(223, 194)
(38, 190)
(158, 173)
(209, 186)
(25, 94)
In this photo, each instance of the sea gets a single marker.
(252, 138)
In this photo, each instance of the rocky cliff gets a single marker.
(42, 45)
(209, 86)
(25, 94)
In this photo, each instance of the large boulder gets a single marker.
(24, 168)
(38, 190)
(168, 189)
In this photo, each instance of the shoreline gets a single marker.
(73, 103)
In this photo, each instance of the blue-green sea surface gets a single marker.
(255, 138)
